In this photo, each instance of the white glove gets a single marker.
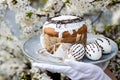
(76, 70)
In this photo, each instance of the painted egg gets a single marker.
(104, 43)
(93, 51)
(76, 51)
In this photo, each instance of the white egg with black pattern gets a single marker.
(105, 44)
(93, 51)
(76, 51)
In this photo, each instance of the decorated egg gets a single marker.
(93, 51)
(104, 43)
(76, 51)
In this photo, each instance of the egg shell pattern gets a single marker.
(104, 43)
(93, 51)
(77, 51)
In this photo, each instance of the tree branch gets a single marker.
(100, 14)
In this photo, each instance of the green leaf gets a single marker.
(36, 79)
(41, 9)
(40, 72)
(29, 14)
(9, 38)
(94, 30)
(0, 36)
(114, 2)
(67, 1)
(31, 74)
(97, 0)
(117, 68)
(118, 42)
(107, 28)
(28, 64)
(20, 27)
(31, 1)
(14, 2)
(46, 1)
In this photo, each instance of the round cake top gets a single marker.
(65, 19)
(64, 23)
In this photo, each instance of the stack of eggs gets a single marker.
(92, 50)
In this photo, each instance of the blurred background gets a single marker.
(23, 19)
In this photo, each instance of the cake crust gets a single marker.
(51, 32)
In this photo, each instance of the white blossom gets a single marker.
(4, 29)
(3, 7)
(4, 56)
(12, 62)
(77, 7)
(43, 76)
(17, 5)
(29, 21)
(116, 17)
(12, 66)
(100, 27)
(3, 77)
(24, 20)
(89, 25)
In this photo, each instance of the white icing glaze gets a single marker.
(64, 17)
(93, 51)
(64, 27)
(104, 43)
(77, 51)
(78, 35)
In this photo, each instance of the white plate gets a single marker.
(32, 46)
